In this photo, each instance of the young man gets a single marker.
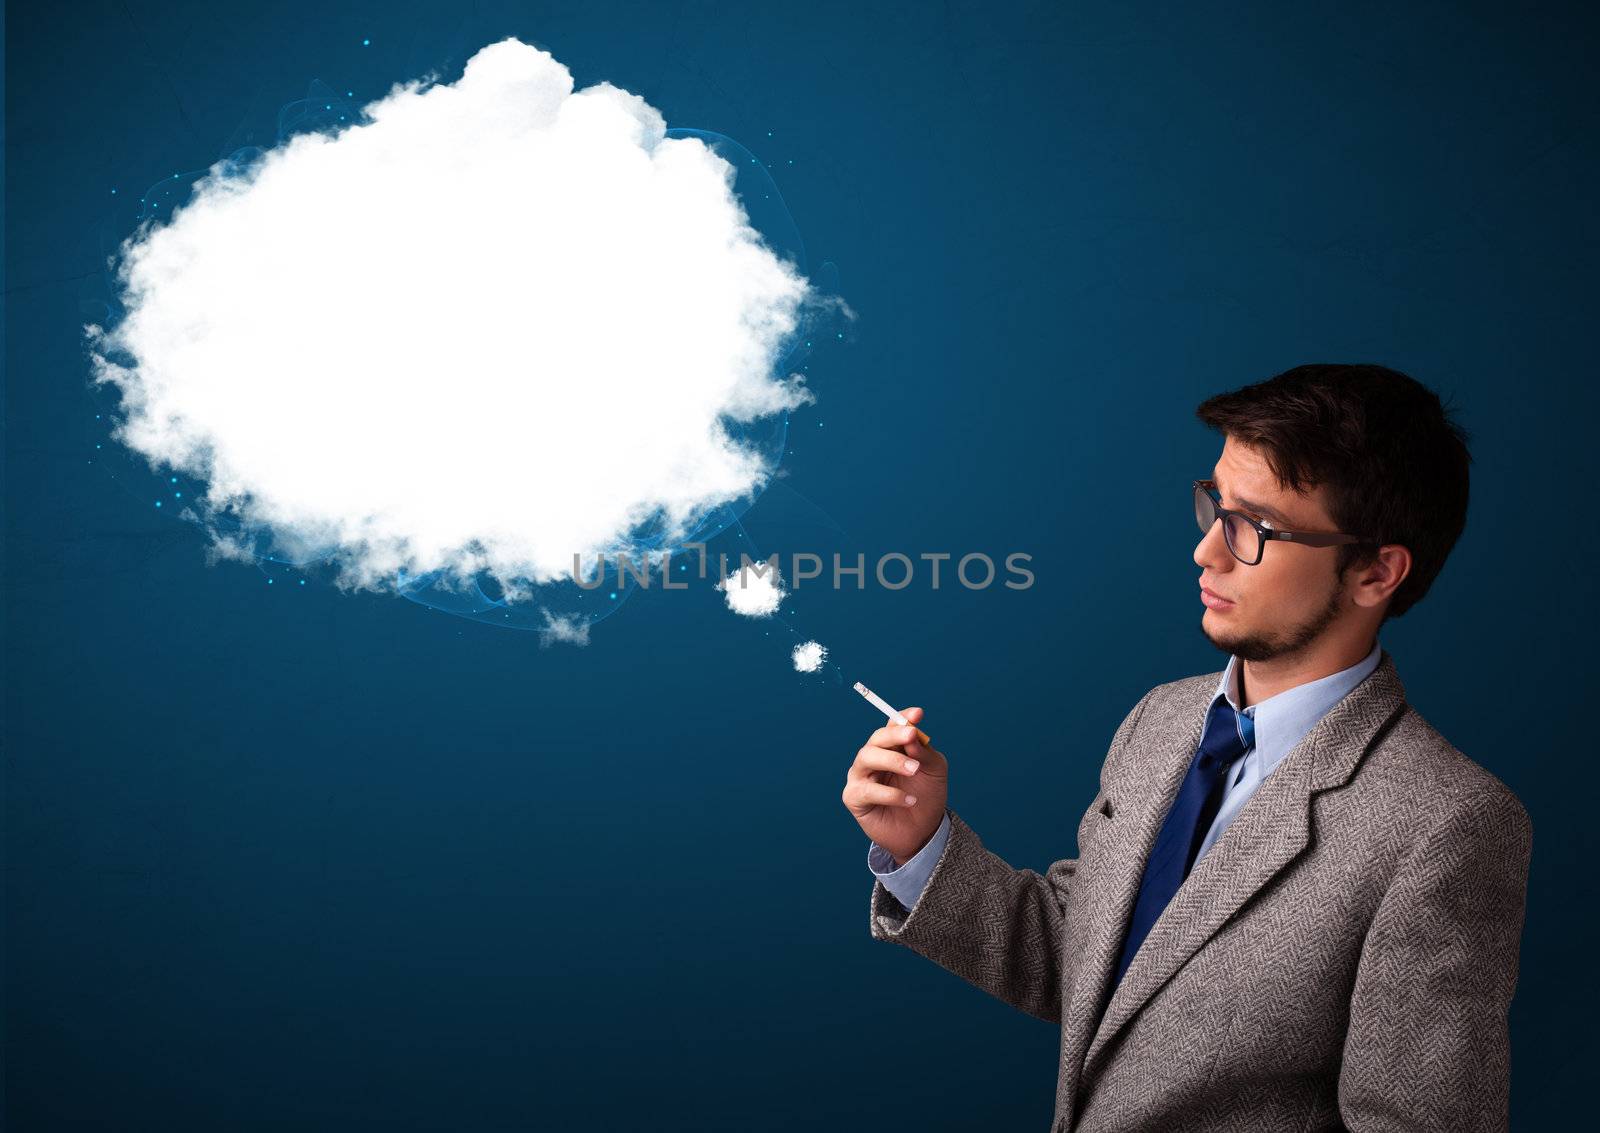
(1295, 905)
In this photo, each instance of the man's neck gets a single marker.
(1260, 680)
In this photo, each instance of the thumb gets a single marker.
(914, 715)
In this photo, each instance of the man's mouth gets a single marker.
(1215, 601)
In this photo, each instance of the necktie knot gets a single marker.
(1228, 735)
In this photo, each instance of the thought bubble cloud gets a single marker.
(808, 656)
(492, 325)
(754, 590)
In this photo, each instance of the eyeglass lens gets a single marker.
(1242, 539)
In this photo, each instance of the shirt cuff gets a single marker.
(907, 882)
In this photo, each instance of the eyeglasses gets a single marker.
(1245, 535)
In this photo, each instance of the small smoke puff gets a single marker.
(808, 657)
(568, 628)
(755, 590)
(487, 326)
(223, 547)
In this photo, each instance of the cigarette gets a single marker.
(883, 706)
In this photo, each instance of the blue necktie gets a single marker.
(1191, 815)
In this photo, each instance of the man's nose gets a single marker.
(1212, 550)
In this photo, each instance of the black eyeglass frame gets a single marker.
(1309, 538)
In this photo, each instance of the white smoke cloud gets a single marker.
(568, 628)
(492, 324)
(808, 656)
(754, 590)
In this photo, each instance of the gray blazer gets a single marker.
(1343, 957)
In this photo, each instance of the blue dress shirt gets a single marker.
(1279, 721)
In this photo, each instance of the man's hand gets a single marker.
(899, 806)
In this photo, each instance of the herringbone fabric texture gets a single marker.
(1343, 957)
(1188, 818)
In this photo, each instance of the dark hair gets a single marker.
(1393, 462)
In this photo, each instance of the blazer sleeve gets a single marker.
(1428, 1044)
(996, 927)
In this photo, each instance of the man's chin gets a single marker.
(1234, 640)
(1248, 645)
(1225, 640)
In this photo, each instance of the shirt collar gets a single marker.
(1279, 722)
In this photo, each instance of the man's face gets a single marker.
(1292, 595)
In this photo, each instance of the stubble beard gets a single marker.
(1270, 646)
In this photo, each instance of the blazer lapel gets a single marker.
(1265, 836)
(1145, 784)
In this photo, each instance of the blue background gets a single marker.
(278, 857)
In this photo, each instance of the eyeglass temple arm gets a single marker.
(1315, 538)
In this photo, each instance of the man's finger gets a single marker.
(893, 735)
(870, 759)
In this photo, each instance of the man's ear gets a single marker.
(1377, 580)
